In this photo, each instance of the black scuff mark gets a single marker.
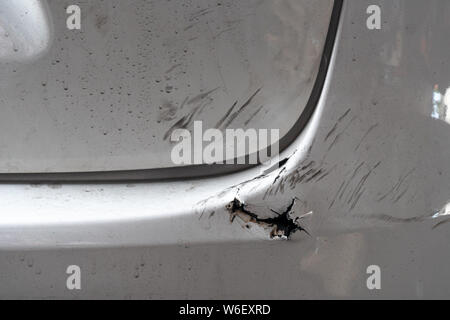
(353, 195)
(315, 175)
(308, 153)
(224, 192)
(298, 176)
(183, 123)
(253, 115)
(356, 200)
(184, 102)
(359, 190)
(242, 108)
(339, 135)
(277, 166)
(283, 225)
(355, 172)
(188, 119)
(337, 194)
(335, 141)
(222, 32)
(191, 26)
(283, 162)
(309, 172)
(280, 187)
(366, 135)
(173, 67)
(399, 189)
(400, 196)
(278, 176)
(323, 176)
(308, 165)
(222, 120)
(330, 133)
(417, 219)
(335, 127)
(201, 96)
(200, 13)
(440, 224)
(281, 165)
(392, 219)
(344, 115)
(326, 173)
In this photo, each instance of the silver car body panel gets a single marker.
(369, 174)
(109, 96)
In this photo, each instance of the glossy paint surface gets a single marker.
(371, 169)
(107, 97)
(25, 31)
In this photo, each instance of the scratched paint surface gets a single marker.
(370, 173)
(107, 97)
